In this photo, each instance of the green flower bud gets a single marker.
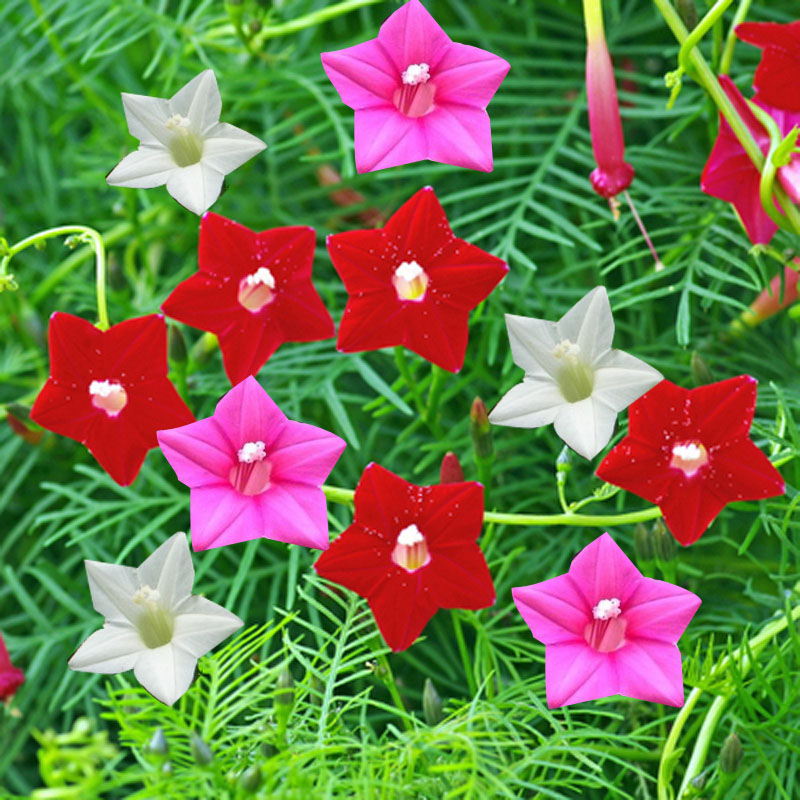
(643, 543)
(177, 345)
(250, 779)
(480, 429)
(431, 704)
(157, 745)
(688, 12)
(664, 542)
(284, 696)
(701, 372)
(730, 756)
(201, 752)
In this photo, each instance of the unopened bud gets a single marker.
(431, 704)
(284, 695)
(157, 745)
(201, 751)
(167, 768)
(116, 277)
(664, 542)
(30, 435)
(451, 471)
(643, 543)
(730, 757)
(701, 372)
(254, 25)
(480, 429)
(564, 460)
(699, 781)
(250, 779)
(177, 345)
(688, 12)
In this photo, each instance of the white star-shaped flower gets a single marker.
(154, 624)
(183, 144)
(572, 376)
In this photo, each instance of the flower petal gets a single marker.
(468, 275)
(532, 344)
(112, 587)
(589, 324)
(451, 514)
(303, 453)
(145, 168)
(689, 508)
(461, 578)
(402, 608)
(147, 118)
(196, 187)
(412, 36)
(169, 570)
(226, 147)
(200, 453)
(620, 378)
(166, 672)
(586, 426)
(220, 515)
(530, 404)
(248, 414)
(723, 411)
(777, 78)
(201, 625)
(745, 473)
(650, 671)
(114, 648)
(602, 571)
(386, 138)
(458, 135)
(296, 514)
(574, 673)
(468, 75)
(659, 610)
(437, 332)
(363, 75)
(554, 610)
(199, 100)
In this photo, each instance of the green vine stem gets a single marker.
(730, 42)
(82, 234)
(745, 656)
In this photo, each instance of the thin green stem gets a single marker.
(699, 31)
(730, 42)
(462, 649)
(85, 234)
(695, 766)
(388, 679)
(438, 379)
(309, 20)
(404, 370)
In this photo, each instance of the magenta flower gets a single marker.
(613, 175)
(607, 629)
(417, 94)
(253, 473)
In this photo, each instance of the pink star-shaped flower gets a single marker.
(410, 551)
(688, 451)
(417, 94)
(253, 290)
(412, 283)
(109, 390)
(777, 79)
(607, 629)
(730, 175)
(253, 473)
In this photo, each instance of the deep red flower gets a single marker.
(410, 551)
(777, 78)
(253, 290)
(730, 175)
(412, 283)
(688, 451)
(11, 678)
(109, 390)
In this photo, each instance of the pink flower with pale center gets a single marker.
(253, 472)
(417, 94)
(607, 629)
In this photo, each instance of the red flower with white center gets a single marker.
(688, 451)
(410, 551)
(412, 283)
(109, 390)
(253, 290)
(777, 78)
(11, 678)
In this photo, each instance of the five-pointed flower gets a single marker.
(412, 283)
(730, 175)
(607, 629)
(572, 376)
(154, 624)
(417, 94)
(11, 678)
(688, 451)
(253, 290)
(109, 390)
(777, 78)
(410, 551)
(183, 144)
(253, 473)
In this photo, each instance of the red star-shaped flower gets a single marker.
(253, 290)
(410, 551)
(688, 451)
(109, 390)
(11, 678)
(412, 283)
(777, 78)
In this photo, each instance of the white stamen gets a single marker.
(252, 451)
(416, 73)
(409, 271)
(687, 452)
(607, 609)
(568, 350)
(261, 276)
(177, 121)
(410, 535)
(104, 388)
(147, 597)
